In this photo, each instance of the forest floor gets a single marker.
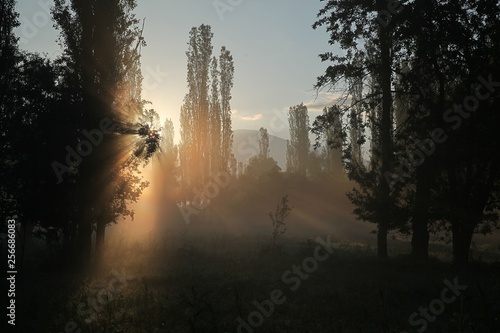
(235, 284)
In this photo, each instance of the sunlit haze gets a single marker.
(250, 166)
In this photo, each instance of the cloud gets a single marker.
(317, 106)
(252, 118)
(234, 111)
(324, 99)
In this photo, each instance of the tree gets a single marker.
(263, 143)
(30, 108)
(278, 219)
(101, 41)
(370, 46)
(356, 126)
(167, 177)
(316, 164)
(9, 77)
(206, 134)
(416, 67)
(468, 169)
(334, 139)
(9, 52)
(169, 149)
(195, 110)
(168, 161)
(215, 119)
(262, 165)
(299, 144)
(431, 84)
(228, 160)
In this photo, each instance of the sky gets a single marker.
(274, 48)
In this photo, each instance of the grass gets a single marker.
(186, 284)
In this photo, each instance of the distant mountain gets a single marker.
(246, 145)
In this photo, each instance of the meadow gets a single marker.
(220, 283)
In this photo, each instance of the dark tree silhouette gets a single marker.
(299, 144)
(422, 68)
(102, 41)
(31, 127)
(262, 165)
(373, 58)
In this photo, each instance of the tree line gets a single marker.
(423, 85)
(415, 133)
(75, 129)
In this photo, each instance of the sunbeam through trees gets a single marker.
(255, 166)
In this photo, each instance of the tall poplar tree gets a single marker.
(195, 120)
(206, 133)
(226, 84)
(299, 144)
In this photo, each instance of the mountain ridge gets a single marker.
(246, 145)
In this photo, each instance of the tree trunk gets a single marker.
(384, 191)
(84, 240)
(462, 239)
(84, 224)
(382, 240)
(70, 232)
(420, 216)
(99, 238)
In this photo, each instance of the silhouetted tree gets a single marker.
(299, 144)
(194, 147)
(262, 165)
(467, 93)
(228, 161)
(206, 134)
(168, 162)
(334, 139)
(278, 220)
(101, 41)
(263, 143)
(430, 83)
(10, 59)
(371, 48)
(215, 129)
(32, 126)
(414, 79)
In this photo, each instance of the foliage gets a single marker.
(206, 133)
(262, 166)
(263, 143)
(100, 67)
(406, 79)
(299, 144)
(278, 219)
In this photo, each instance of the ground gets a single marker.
(218, 283)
